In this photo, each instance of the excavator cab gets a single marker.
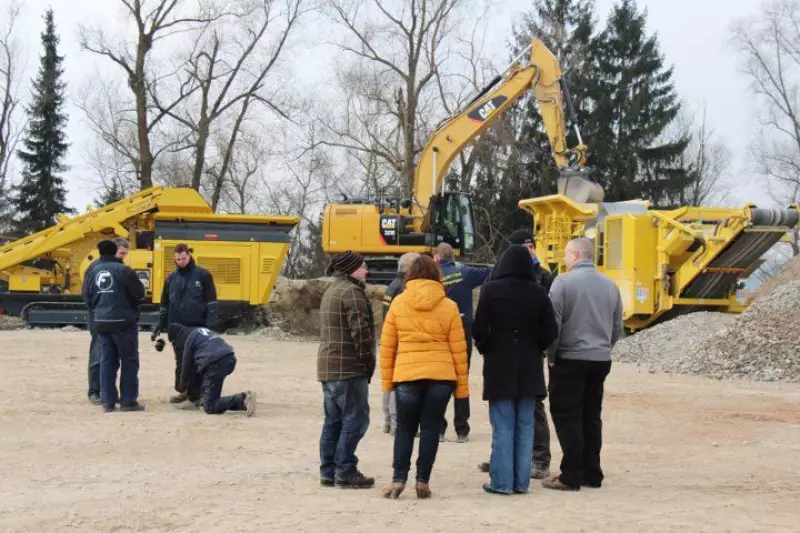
(452, 220)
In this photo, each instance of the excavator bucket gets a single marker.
(577, 187)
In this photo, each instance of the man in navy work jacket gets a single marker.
(189, 298)
(112, 292)
(459, 281)
(206, 360)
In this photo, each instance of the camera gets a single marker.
(160, 345)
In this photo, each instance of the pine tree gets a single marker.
(635, 103)
(41, 196)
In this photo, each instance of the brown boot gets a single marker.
(556, 484)
(394, 490)
(423, 490)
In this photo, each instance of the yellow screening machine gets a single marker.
(665, 263)
(43, 272)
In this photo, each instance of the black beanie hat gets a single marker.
(107, 247)
(521, 236)
(345, 262)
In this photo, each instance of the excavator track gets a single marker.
(767, 227)
(50, 314)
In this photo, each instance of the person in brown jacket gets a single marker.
(424, 360)
(345, 365)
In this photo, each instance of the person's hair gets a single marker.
(406, 260)
(122, 243)
(424, 267)
(584, 247)
(445, 251)
(182, 249)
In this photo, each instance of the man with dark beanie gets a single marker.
(112, 292)
(345, 365)
(206, 360)
(540, 468)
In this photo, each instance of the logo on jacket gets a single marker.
(198, 285)
(104, 281)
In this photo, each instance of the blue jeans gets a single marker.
(512, 444)
(213, 378)
(119, 350)
(420, 404)
(346, 407)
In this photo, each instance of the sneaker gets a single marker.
(109, 409)
(187, 406)
(539, 472)
(131, 408)
(356, 481)
(179, 398)
(556, 484)
(325, 482)
(484, 467)
(94, 398)
(250, 402)
(463, 438)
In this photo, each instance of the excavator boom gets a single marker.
(543, 75)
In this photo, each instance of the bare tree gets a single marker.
(154, 21)
(397, 50)
(9, 86)
(230, 69)
(769, 48)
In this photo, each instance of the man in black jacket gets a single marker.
(112, 292)
(189, 298)
(206, 360)
(123, 247)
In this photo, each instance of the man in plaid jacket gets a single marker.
(345, 365)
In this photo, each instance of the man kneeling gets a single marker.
(206, 361)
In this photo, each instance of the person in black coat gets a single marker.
(514, 325)
(206, 360)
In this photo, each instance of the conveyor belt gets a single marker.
(717, 280)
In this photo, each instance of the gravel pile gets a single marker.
(9, 323)
(763, 343)
(660, 348)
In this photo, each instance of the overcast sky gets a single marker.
(693, 36)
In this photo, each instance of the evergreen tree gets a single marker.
(41, 195)
(635, 102)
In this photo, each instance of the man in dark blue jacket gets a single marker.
(112, 292)
(459, 282)
(206, 360)
(189, 298)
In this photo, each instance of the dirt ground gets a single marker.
(681, 454)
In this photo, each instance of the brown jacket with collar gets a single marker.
(347, 332)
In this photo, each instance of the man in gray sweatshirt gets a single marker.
(588, 310)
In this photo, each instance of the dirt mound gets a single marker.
(790, 271)
(294, 305)
(660, 347)
(763, 343)
(9, 323)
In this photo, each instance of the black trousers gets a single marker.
(208, 384)
(461, 406)
(576, 399)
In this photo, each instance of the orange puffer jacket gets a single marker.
(423, 338)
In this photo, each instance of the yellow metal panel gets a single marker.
(24, 283)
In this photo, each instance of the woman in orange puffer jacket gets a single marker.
(423, 359)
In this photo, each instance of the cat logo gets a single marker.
(104, 281)
(486, 109)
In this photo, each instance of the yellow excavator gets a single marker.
(42, 273)
(382, 230)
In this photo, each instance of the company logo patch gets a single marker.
(104, 281)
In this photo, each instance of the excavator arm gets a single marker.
(543, 74)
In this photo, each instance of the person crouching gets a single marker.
(206, 360)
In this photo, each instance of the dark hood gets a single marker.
(178, 335)
(515, 262)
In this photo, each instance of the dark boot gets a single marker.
(357, 480)
(95, 399)
(179, 398)
(130, 408)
